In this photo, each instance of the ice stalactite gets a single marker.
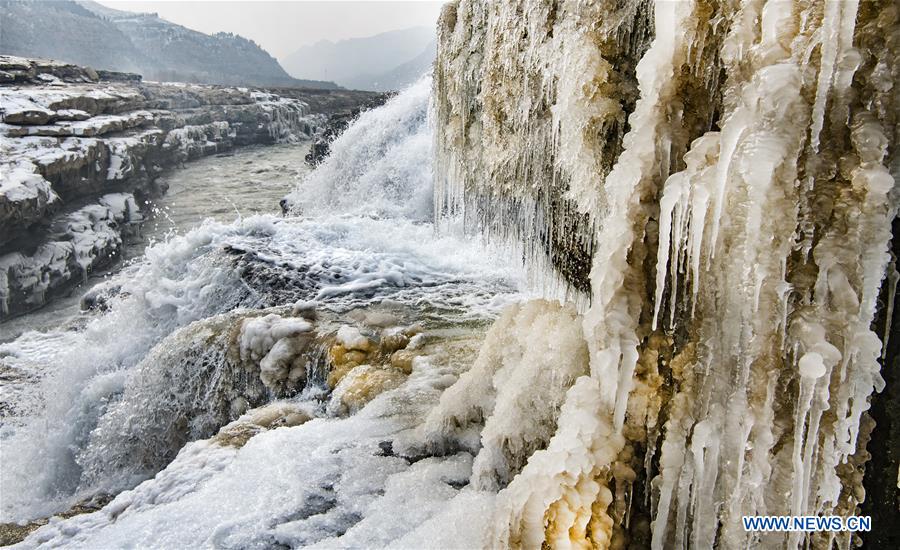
(737, 229)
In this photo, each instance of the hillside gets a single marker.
(87, 33)
(36, 30)
(362, 63)
(400, 76)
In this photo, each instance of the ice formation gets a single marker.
(710, 184)
(513, 391)
(728, 170)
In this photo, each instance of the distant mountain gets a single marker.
(65, 31)
(87, 33)
(378, 62)
(400, 76)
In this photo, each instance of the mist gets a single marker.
(283, 27)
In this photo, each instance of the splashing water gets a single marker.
(380, 166)
(117, 398)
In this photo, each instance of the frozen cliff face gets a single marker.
(719, 180)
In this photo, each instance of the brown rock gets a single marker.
(402, 360)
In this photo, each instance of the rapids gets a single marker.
(99, 405)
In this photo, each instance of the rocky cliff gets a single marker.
(82, 150)
(714, 184)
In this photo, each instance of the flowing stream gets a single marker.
(250, 180)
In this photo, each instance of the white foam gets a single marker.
(379, 166)
(339, 258)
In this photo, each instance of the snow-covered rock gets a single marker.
(77, 243)
(72, 134)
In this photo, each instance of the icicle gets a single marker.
(610, 324)
(756, 234)
(893, 276)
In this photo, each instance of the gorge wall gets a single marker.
(713, 183)
(82, 150)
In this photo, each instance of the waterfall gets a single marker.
(702, 194)
(380, 166)
(108, 401)
(724, 171)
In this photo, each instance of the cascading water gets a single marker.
(177, 352)
(374, 171)
(712, 182)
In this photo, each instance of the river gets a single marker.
(223, 322)
(247, 181)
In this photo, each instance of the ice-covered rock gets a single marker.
(353, 340)
(360, 385)
(267, 417)
(81, 135)
(77, 243)
(283, 348)
(25, 196)
(714, 184)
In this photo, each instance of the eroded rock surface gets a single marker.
(81, 151)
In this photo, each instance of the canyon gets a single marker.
(615, 275)
(82, 151)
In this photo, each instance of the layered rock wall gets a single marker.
(76, 140)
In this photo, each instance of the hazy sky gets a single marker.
(282, 27)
